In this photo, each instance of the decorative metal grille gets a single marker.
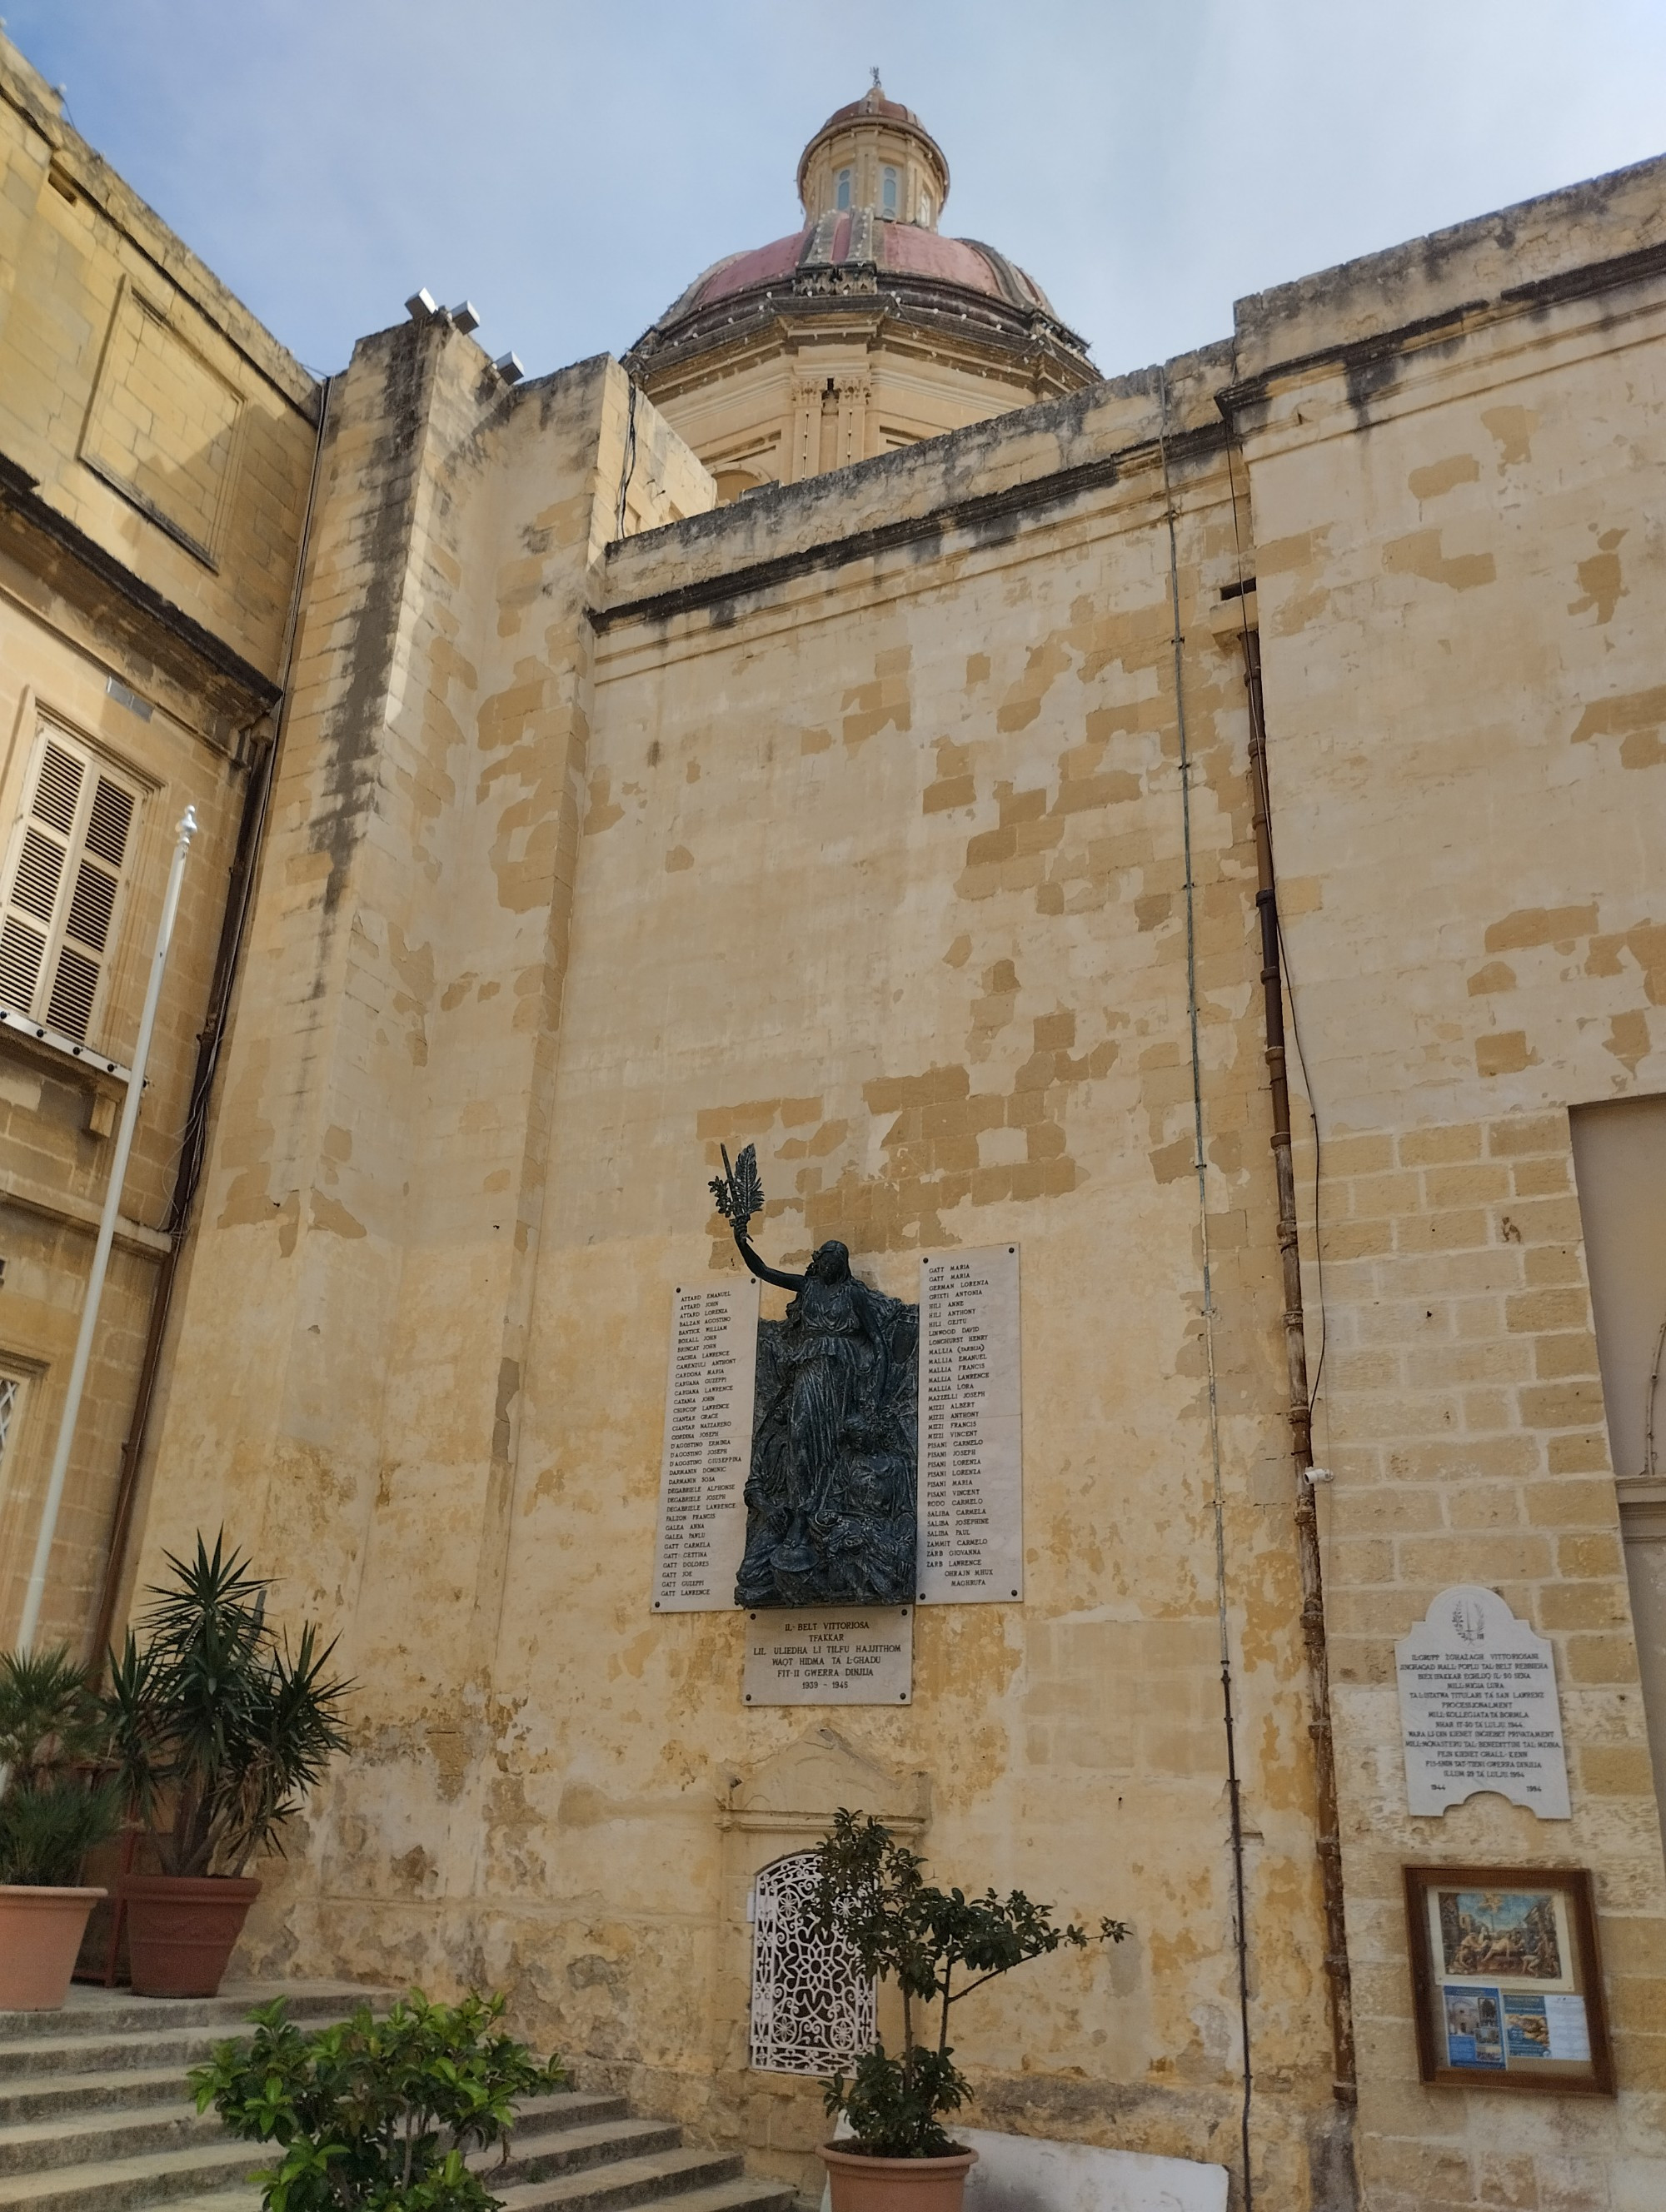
(812, 2010)
(10, 1391)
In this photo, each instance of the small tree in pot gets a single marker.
(58, 1800)
(381, 2114)
(870, 1892)
(220, 1732)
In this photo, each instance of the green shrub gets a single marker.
(60, 1799)
(379, 2114)
(870, 1892)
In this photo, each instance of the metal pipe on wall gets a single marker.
(193, 1151)
(36, 1592)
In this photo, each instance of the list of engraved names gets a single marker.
(707, 1448)
(971, 1533)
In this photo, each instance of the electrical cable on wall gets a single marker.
(629, 470)
(1233, 1788)
(1243, 585)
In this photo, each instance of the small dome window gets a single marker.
(841, 197)
(924, 215)
(888, 193)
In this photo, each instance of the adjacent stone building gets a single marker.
(934, 820)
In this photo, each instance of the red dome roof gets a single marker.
(900, 249)
(872, 103)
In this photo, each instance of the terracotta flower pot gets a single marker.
(41, 1932)
(895, 2184)
(181, 1928)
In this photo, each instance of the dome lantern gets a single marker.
(875, 155)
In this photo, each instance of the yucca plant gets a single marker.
(60, 1797)
(220, 1731)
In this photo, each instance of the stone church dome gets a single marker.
(870, 302)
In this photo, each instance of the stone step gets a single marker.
(176, 2048)
(738, 2195)
(538, 2153)
(118, 2012)
(38, 2096)
(95, 2137)
(567, 2108)
(246, 2199)
(741, 2195)
(627, 2181)
(119, 2185)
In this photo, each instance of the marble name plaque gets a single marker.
(707, 1448)
(1477, 1707)
(971, 1463)
(829, 1655)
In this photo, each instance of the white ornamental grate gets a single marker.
(10, 1388)
(813, 2011)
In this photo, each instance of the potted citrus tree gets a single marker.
(220, 1731)
(937, 1946)
(58, 1800)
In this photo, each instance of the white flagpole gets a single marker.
(89, 1311)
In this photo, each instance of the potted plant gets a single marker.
(220, 1733)
(376, 2112)
(869, 1891)
(58, 1799)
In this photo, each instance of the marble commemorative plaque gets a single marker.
(830, 1655)
(970, 1500)
(707, 1448)
(1477, 1707)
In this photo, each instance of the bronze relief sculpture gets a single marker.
(831, 1495)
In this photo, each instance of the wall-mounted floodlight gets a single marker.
(465, 317)
(421, 306)
(509, 367)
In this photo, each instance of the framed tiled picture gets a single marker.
(1506, 1979)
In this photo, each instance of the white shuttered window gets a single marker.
(68, 863)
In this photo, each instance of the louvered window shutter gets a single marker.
(60, 901)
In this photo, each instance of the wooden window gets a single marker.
(64, 877)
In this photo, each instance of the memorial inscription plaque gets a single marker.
(708, 1447)
(1477, 1707)
(829, 1655)
(970, 1547)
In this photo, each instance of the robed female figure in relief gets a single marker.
(830, 1498)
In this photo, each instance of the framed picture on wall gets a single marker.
(1506, 1979)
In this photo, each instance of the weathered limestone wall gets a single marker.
(155, 413)
(848, 821)
(882, 868)
(1460, 586)
(155, 447)
(57, 1118)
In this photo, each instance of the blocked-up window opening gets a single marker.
(1619, 1160)
(67, 865)
(814, 2010)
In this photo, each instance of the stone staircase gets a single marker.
(95, 2118)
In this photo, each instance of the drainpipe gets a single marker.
(35, 1595)
(1300, 1409)
(239, 898)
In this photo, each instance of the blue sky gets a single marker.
(570, 167)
